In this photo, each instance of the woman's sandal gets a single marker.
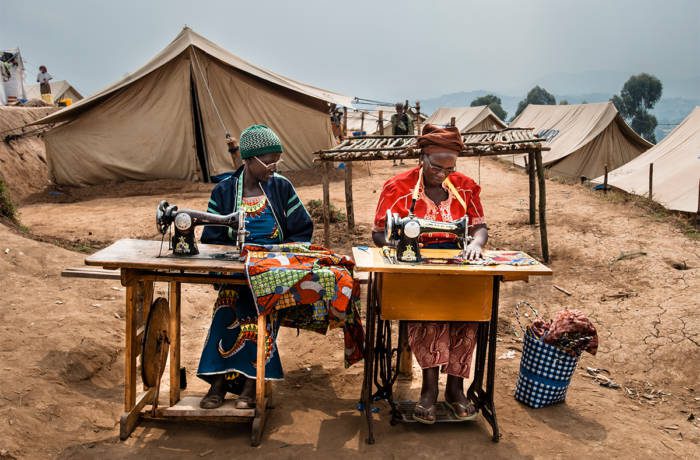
(429, 417)
(212, 400)
(462, 412)
(244, 402)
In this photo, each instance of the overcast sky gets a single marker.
(378, 49)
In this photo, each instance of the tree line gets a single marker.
(639, 94)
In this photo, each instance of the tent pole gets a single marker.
(651, 180)
(530, 165)
(697, 214)
(605, 180)
(326, 205)
(453, 122)
(381, 122)
(543, 206)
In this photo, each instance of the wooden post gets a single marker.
(349, 207)
(362, 121)
(530, 164)
(417, 123)
(326, 204)
(605, 180)
(174, 342)
(345, 122)
(651, 181)
(381, 122)
(543, 207)
(453, 121)
(131, 347)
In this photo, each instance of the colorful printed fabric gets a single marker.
(514, 258)
(449, 345)
(317, 283)
(570, 331)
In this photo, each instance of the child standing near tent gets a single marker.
(44, 87)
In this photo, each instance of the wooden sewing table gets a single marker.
(140, 267)
(430, 292)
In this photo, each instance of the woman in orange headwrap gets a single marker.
(443, 195)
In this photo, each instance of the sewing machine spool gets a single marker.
(156, 342)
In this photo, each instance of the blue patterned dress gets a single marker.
(231, 345)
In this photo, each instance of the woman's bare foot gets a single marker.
(424, 411)
(460, 405)
(246, 400)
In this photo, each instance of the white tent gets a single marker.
(676, 170)
(467, 119)
(168, 119)
(583, 138)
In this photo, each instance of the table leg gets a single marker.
(260, 400)
(369, 356)
(489, 409)
(405, 357)
(174, 342)
(129, 419)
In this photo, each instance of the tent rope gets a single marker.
(211, 97)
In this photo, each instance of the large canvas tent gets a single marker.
(676, 169)
(169, 118)
(583, 138)
(60, 89)
(467, 119)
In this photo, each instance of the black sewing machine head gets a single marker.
(404, 233)
(185, 220)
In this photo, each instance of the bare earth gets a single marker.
(61, 357)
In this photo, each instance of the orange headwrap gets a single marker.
(435, 139)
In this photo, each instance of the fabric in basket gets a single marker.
(545, 373)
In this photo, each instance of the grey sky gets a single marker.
(378, 49)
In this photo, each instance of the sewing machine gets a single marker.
(185, 220)
(404, 233)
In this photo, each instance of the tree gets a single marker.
(536, 95)
(639, 94)
(563, 102)
(494, 103)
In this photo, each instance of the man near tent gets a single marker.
(44, 87)
(401, 123)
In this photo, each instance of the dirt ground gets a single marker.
(62, 361)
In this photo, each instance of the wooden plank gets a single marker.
(419, 297)
(260, 386)
(188, 406)
(174, 342)
(543, 207)
(371, 260)
(130, 351)
(144, 254)
(89, 272)
(129, 420)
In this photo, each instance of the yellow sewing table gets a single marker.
(431, 292)
(141, 266)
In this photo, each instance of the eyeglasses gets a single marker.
(439, 169)
(269, 165)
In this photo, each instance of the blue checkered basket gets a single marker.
(545, 373)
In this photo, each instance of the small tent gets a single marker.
(168, 119)
(467, 119)
(370, 125)
(676, 170)
(582, 138)
(11, 76)
(60, 89)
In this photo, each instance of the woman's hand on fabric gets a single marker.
(472, 251)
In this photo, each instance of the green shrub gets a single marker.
(315, 208)
(7, 207)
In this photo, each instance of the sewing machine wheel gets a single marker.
(156, 341)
